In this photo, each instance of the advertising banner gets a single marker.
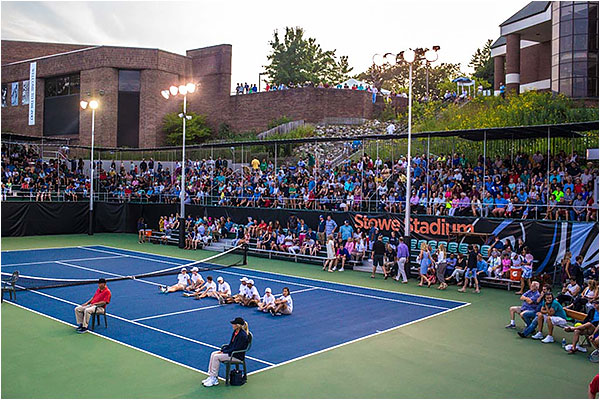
(32, 89)
(25, 93)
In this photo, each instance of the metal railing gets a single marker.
(535, 211)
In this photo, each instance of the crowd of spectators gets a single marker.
(445, 184)
(579, 294)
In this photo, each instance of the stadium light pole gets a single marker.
(93, 105)
(174, 91)
(409, 56)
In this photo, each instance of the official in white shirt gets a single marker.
(241, 293)
(267, 302)
(196, 279)
(284, 305)
(183, 281)
(210, 289)
(252, 296)
(223, 290)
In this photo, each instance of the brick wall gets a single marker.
(14, 50)
(535, 63)
(210, 67)
(153, 106)
(255, 111)
(15, 119)
(93, 80)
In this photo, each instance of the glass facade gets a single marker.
(62, 85)
(575, 48)
(128, 111)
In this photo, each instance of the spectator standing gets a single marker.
(378, 254)
(403, 257)
(441, 267)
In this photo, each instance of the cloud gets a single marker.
(355, 28)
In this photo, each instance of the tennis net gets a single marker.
(235, 256)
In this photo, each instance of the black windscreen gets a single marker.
(128, 121)
(61, 115)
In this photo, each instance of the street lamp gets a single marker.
(174, 91)
(93, 105)
(409, 56)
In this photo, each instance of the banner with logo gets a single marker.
(14, 94)
(25, 93)
(32, 89)
(548, 240)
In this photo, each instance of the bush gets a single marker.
(279, 121)
(197, 129)
(530, 108)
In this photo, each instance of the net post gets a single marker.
(245, 252)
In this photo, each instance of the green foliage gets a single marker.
(224, 131)
(279, 121)
(300, 132)
(197, 129)
(296, 59)
(483, 64)
(396, 78)
(530, 108)
(388, 113)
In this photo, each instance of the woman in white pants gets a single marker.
(239, 341)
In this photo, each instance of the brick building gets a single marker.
(549, 45)
(127, 83)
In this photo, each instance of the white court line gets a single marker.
(111, 339)
(341, 291)
(107, 273)
(281, 274)
(357, 340)
(304, 290)
(297, 358)
(177, 312)
(225, 271)
(44, 248)
(203, 308)
(148, 326)
(70, 260)
(132, 256)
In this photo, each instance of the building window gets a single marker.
(129, 81)
(128, 110)
(62, 85)
(575, 48)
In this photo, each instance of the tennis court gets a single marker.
(186, 331)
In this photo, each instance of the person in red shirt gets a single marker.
(97, 303)
(593, 388)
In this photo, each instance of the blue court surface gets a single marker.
(186, 331)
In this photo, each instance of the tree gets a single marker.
(197, 129)
(395, 78)
(483, 64)
(297, 60)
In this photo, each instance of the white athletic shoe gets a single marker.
(581, 348)
(334, 268)
(341, 269)
(538, 336)
(206, 380)
(211, 382)
(568, 347)
(548, 339)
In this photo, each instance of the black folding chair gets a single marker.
(95, 318)
(237, 364)
(9, 286)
